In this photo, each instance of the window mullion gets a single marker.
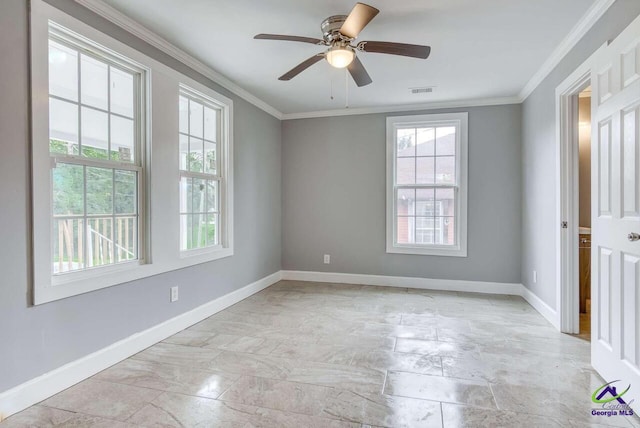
(85, 218)
(109, 113)
(202, 175)
(97, 163)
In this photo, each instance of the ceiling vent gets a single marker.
(425, 90)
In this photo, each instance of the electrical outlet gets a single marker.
(174, 294)
(535, 276)
(327, 259)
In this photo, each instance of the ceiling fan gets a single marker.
(339, 34)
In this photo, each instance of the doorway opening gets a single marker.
(583, 281)
(573, 180)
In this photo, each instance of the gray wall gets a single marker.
(539, 181)
(35, 340)
(333, 176)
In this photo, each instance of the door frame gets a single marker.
(567, 202)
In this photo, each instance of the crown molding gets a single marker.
(404, 107)
(589, 19)
(123, 21)
(106, 11)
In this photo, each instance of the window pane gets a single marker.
(425, 172)
(62, 147)
(183, 112)
(445, 227)
(446, 202)
(94, 83)
(185, 194)
(185, 232)
(446, 170)
(95, 133)
(199, 194)
(63, 122)
(122, 139)
(125, 196)
(405, 227)
(100, 243)
(405, 204)
(184, 151)
(426, 141)
(68, 245)
(99, 190)
(121, 92)
(210, 158)
(195, 155)
(212, 196)
(63, 71)
(210, 124)
(425, 202)
(424, 230)
(68, 189)
(446, 141)
(405, 171)
(212, 229)
(406, 141)
(126, 239)
(195, 119)
(198, 231)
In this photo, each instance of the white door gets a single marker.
(615, 289)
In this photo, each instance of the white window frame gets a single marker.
(159, 194)
(460, 121)
(66, 38)
(222, 176)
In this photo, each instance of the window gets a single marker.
(426, 184)
(200, 174)
(112, 199)
(95, 146)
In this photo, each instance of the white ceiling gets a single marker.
(480, 48)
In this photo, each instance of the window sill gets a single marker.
(428, 251)
(64, 286)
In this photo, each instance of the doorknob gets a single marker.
(633, 237)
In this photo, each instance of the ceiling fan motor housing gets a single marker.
(331, 28)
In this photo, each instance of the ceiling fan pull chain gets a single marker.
(331, 86)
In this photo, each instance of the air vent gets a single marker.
(425, 90)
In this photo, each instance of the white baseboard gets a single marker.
(539, 305)
(430, 284)
(42, 387)
(404, 281)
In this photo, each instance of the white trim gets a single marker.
(567, 261)
(123, 21)
(589, 19)
(479, 102)
(108, 12)
(42, 387)
(511, 289)
(405, 282)
(543, 309)
(162, 253)
(461, 121)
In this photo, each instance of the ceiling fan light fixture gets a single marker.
(340, 56)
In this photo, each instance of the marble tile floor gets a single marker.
(301, 354)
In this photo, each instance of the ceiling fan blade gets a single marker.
(358, 18)
(359, 73)
(289, 38)
(403, 49)
(301, 67)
